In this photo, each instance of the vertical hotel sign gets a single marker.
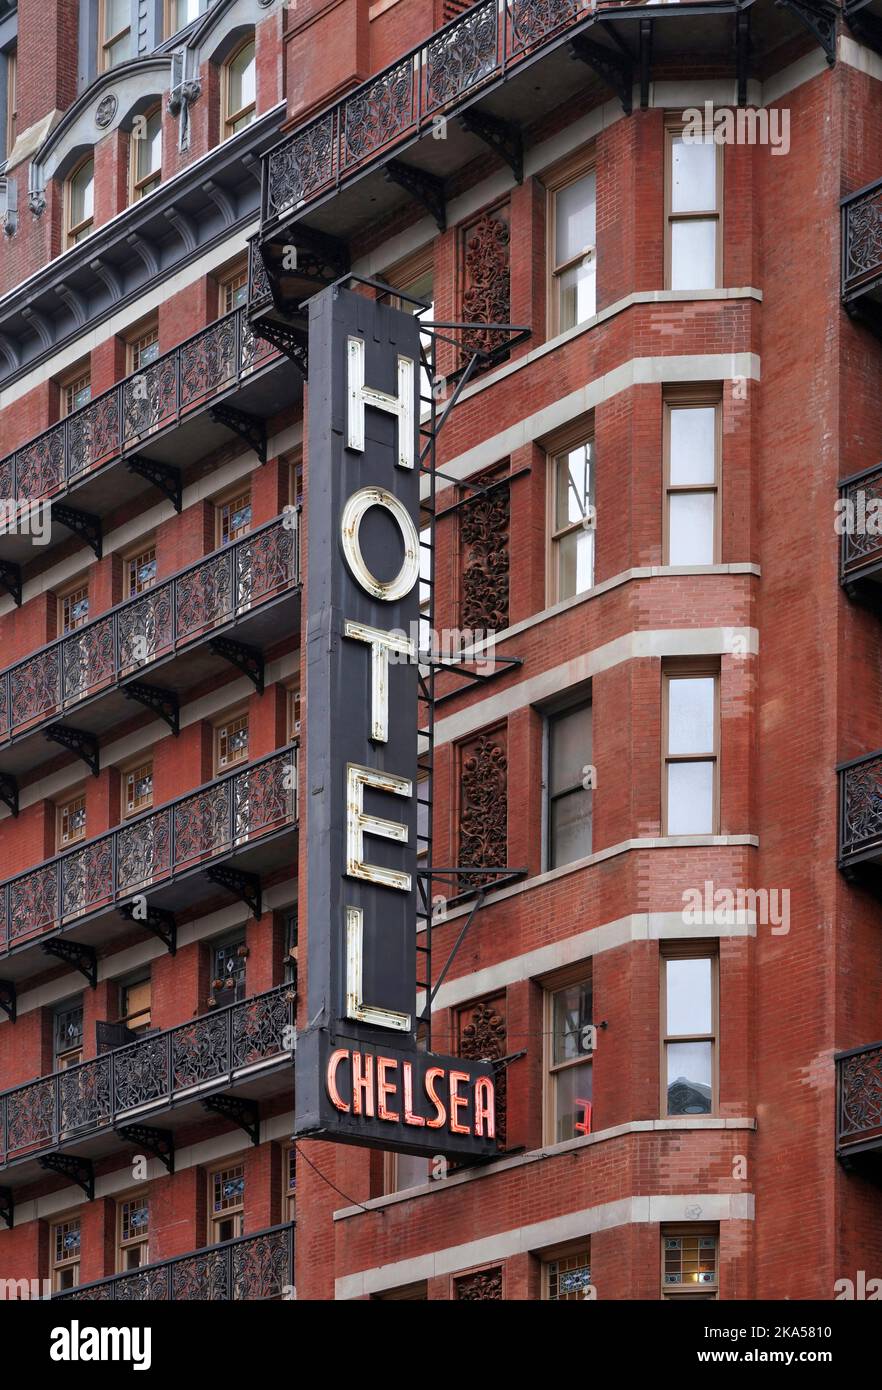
(360, 1077)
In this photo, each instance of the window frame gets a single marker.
(131, 555)
(237, 712)
(135, 344)
(693, 398)
(579, 435)
(170, 27)
(70, 384)
(125, 1014)
(140, 187)
(72, 796)
(224, 499)
(689, 950)
(582, 972)
(59, 1055)
(76, 232)
(226, 284)
(130, 766)
(237, 939)
(63, 595)
(674, 126)
(568, 171)
(107, 42)
(547, 1258)
(690, 669)
(234, 1214)
(289, 1194)
(231, 119)
(56, 1266)
(550, 714)
(11, 129)
(133, 1242)
(673, 1231)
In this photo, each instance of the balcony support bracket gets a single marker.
(84, 745)
(245, 887)
(867, 312)
(162, 475)
(247, 427)
(86, 525)
(7, 1205)
(503, 137)
(157, 920)
(154, 697)
(159, 1142)
(75, 954)
(242, 1112)
(865, 27)
(615, 69)
(425, 188)
(290, 341)
(742, 53)
(247, 659)
(819, 17)
(77, 1170)
(9, 999)
(10, 580)
(9, 792)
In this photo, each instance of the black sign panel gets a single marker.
(361, 784)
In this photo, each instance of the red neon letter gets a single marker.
(385, 1088)
(440, 1112)
(485, 1107)
(363, 1085)
(584, 1125)
(333, 1063)
(409, 1117)
(457, 1102)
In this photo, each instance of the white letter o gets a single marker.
(350, 524)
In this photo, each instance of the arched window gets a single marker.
(240, 88)
(80, 202)
(145, 159)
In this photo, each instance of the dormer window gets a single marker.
(240, 89)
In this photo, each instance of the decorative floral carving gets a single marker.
(482, 1038)
(486, 296)
(483, 1284)
(484, 537)
(863, 238)
(483, 836)
(106, 110)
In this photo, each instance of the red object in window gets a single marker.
(584, 1125)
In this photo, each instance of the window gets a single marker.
(424, 815)
(292, 710)
(689, 1011)
(115, 33)
(416, 277)
(402, 1171)
(71, 821)
(233, 516)
(567, 1278)
(73, 607)
(64, 1246)
(140, 569)
(145, 157)
(290, 928)
(133, 1230)
(137, 789)
(569, 1060)
(11, 100)
(143, 349)
(240, 89)
(690, 1262)
(135, 1002)
(67, 1034)
(179, 13)
(76, 390)
(226, 1203)
(692, 460)
(233, 289)
(691, 736)
(572, 217)
(80, 209)
(569, 800)
(228, 969)
(289, 1182)
(572, 521)
(230, 742)
(694, 197)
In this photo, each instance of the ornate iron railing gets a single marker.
(149, 1073)
(862, 241)
(119, 421)
(478, 47)
(252, 1267)
(194, 831)
(859, 1096)
(860, 524)
(174, 614)
(860, 809)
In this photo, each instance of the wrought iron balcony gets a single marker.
(860, 558)
(860, 814)
(158, 420)
(253, 1267)
(862, 253)
(246, 820)
(859, 1103)
(247, 590)
(164, 1074)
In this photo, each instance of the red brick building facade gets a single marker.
(636, 500)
